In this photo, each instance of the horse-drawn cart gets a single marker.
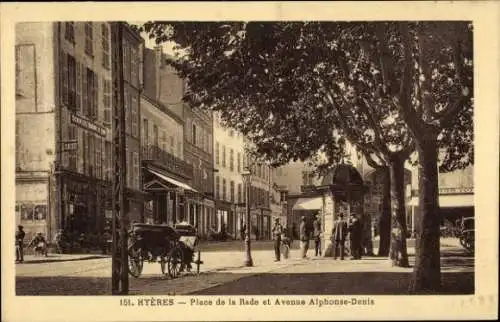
(173, 248)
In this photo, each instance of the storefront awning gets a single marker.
(173, 181)
(450, 201)
(315, 203)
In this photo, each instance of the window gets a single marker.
(107, 100)
(98, 158)
(69, 33)
(217, 187)
(126, 106)
(217, 156)
(172, 145)
(238, 162)
(179, 149)
(239, 193)
(231, 190)
(105, 46)
(224, 156)
(135, 115)
(244, 194)
(136, 170)
(84, 153)
(194, 134)
(163, 141)
(155, 135)
(145, 131)
(134, 71)
(91, 154)
(108, 161)
(126, 60)
(72, 157)
(89, 50)
(224, 195)
(69, 93)
(90, 94)
(231, 160)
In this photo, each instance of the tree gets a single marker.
(333, 80)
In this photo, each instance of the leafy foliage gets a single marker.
(299, 88)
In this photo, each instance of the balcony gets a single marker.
(167, 160)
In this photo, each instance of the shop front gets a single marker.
(168, 199)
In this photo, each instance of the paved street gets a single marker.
(223, 273)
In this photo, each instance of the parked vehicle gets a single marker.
(173, 248)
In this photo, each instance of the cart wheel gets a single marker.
(135, 262)
(174, 262)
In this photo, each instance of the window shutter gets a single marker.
(78, 85)
(64, 78)
(85, 100)
(95, 86)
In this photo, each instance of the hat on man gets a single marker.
(303, 218)
(20, 227)
(341, 215)
(277, 220)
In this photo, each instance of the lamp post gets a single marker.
(248, 256)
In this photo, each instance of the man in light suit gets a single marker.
(339, 233)
(304, 237)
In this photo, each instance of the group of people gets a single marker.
(38, 243)
(341, 230)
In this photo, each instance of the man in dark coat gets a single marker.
(355, 235)
(339, 233)
(317, 236)
(20, 244)
(277, 231)
(304, 237)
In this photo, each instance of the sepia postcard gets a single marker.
(237, 161)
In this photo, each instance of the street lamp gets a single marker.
(248, 256)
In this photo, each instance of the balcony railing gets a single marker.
(170, 162)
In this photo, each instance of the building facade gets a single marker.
(165, 173)
(196, 201)
(63, 78)
(230, 161)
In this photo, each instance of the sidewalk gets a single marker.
(51, 258)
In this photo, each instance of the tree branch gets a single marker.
(385, 60)
(370, 112)
(403, 101)
(351, 135)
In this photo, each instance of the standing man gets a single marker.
(277, 231)
(355, 234)
(20, 244)
(304, 237)
(339, 232)
(317, 236)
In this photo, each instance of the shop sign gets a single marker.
(70, 145)
(88, 125)
(451, 191)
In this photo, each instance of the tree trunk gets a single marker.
(398, 252)
(385, 216)
(427, 271)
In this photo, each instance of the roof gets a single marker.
(342, 174)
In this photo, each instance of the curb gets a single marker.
(62, 260)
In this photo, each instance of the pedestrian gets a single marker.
(304, 237)
(339, 233)
(243, 230)
(39, 244)
(355, 235)
(277, 231)
(19, 242)
(317, 236)
(286, 242)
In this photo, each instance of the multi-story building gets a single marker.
(63, 133)
(166, 176)
(196, 201)
(132, 47)
(230, 161)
